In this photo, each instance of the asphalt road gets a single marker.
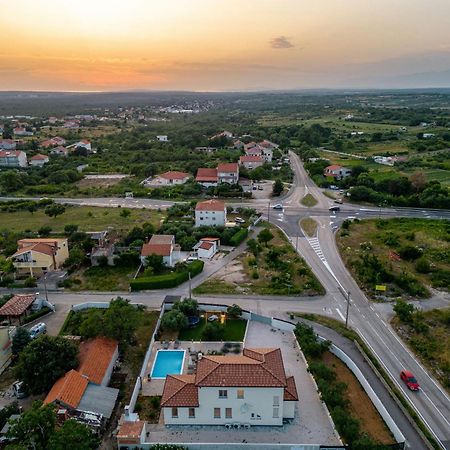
(432, 403)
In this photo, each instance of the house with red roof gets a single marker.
(210, 212)
(13, 158)
(207, 247)
(85, 390)
(251, 162)
(39, 160)
(22, 131)
(59, 151)
(171, 178)
(337, 172)
(7, 144)
(207, 177)
(251, 388)
(228, 173)
(34, 257)
(17, 308)
(162, 245)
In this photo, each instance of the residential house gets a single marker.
(21, 131)
(53, 142)
(251, 162)
(251, 389)
(249, 146)
(34, 257)
(7, 144)
(172, 177)
(268, 144)
(238, 145)
(13, 158)
(59, 151)
(17, 308)
(207, 177)
(162, 138)
(428, 135)
(131, 434)
(210, 212)
(207, 247)
(71, 124)
(39, 160)
(162, 245)
(246, 184)
(228, 173)
(84, 144)
(226, 134)
(52, 120)
(337, 172)
(86, 390)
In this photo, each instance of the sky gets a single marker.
(220, 45)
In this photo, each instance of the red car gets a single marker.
(409, 380)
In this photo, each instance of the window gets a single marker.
(174, 413)
(191, 413)
(276, 400)
(240, 393)
(223, 393)
(276, 412)
(216, 413)
(228, 413)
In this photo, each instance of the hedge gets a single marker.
(168, 280)
(37, 314)
(239, 237)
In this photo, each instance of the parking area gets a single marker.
(265, 192)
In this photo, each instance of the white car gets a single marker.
(278, 206)
(239, 220)
(213, 318)
(37, 330)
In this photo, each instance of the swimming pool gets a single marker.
(168, 362)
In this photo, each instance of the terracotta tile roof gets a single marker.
(206, 245)
(39, 157)
(255, 368)
(59, 149)
(95, 357)
(17, 305)
(174, 175)
(290, 391)
(210, 239)
(40, 247)
(51, 241)
(210, 205)
(5, 153)
(156, 249)
(68, 390)
(250, 158)
(180, 391)
(130, 430)
(333, 167)
(253, 151)
(228, 167)
(162, 239)
(204, 174)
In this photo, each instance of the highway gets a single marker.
(432, 403)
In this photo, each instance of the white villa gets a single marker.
(250, 389)
(210, 212)
(162, 245)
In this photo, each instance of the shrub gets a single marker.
(174, 320)
(30, 282)
(423, 265)
(239, 237)
(213, 331)
(234, 310)
(410, 253)
(404, 311)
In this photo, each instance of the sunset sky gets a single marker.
(98, 45)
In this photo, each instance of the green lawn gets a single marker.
(234, 331)
(308, 200)
(86, 217)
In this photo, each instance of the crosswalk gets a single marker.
(315, 244)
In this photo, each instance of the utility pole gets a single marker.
(348, 307)
(296, 244)
(268, 212)
(45, 287)
(190, 288)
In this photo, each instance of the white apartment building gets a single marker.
(210, 212)
(13, 158)
(250, 389)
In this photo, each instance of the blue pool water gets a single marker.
(168, 362)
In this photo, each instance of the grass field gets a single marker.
(234, 331)
(275, 270)
(309, 226)
(103, 279)
(88, 218)
(412, 252)
(308, 200)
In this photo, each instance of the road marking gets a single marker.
(400, 387)
(340, 314)
(429, 399)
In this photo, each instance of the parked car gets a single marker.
(334, 208)
(260, 188)
(278, 206)
(37, 330)
(191, 258)
(338, 200)
(410, 380)
(213, 318)
(239, 220)
(19, 389)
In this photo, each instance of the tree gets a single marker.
(69, 229)
(278, 188)
(74, 436)
(125, 213)
(55, 210)
(45, 231)
(234, 310)
(44, 360)
(174, 320)
(92, 325)
(20, 340)
(189, 307)
(213, 331)
(156, 262)
(404, 311)
(34, 427)
(254, 247)
(418, 181)
(32, 207)
(119, 321)
(265, 236)
(11, 180)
